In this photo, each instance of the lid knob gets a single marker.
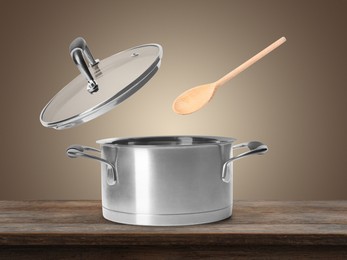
(79, 49)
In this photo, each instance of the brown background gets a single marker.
(294, 100)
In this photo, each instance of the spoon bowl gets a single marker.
(193, 99)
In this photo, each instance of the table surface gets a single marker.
(281, 223)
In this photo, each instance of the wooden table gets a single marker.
(76, 229)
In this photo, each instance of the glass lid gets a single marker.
(102, 85)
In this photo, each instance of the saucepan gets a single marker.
(167, 180)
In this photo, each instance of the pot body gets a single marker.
(167, 182)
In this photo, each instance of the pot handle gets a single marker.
(254, 147)
(75, 151)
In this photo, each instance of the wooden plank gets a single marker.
(261, 223)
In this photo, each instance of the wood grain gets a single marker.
(262, 226)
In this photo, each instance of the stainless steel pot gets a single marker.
(168, 180)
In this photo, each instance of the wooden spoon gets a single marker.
(195, 98)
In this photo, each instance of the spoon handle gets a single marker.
(249, 62)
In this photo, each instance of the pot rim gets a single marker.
(166, 141)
